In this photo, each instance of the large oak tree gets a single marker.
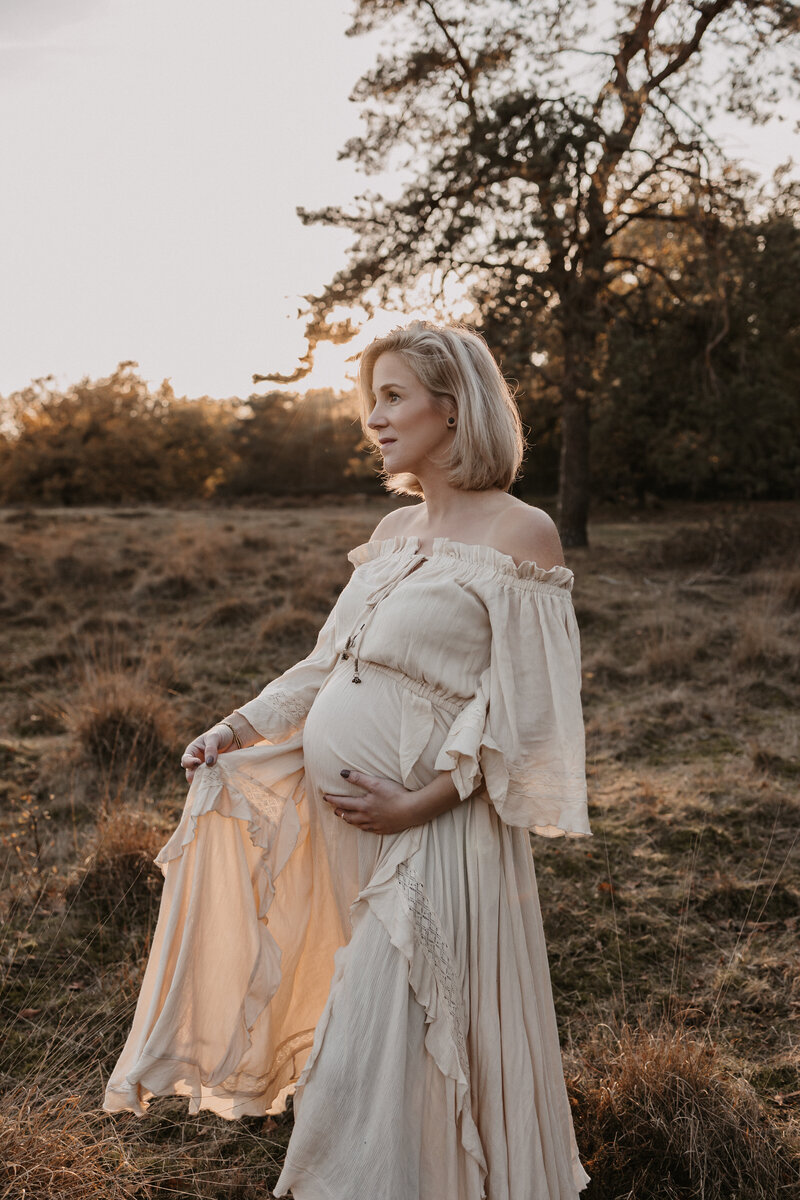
(533, 138)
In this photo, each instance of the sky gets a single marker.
(153, 155)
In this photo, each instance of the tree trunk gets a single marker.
(573, 486)
(573, 475)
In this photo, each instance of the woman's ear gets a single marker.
(450, 410)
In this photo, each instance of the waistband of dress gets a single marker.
(429, 691)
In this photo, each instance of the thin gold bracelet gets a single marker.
(237, 741)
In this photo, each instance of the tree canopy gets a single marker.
(548, 151)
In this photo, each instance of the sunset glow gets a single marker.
(155, 154)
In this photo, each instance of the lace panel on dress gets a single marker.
(285, 1054)
(433, 941)
(286, 704)
(262, 799)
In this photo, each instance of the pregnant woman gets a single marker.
(350, 912)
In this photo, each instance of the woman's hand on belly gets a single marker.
(388, 807)
(385, 807)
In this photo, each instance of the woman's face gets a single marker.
(411, 430)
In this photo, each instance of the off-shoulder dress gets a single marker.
(397, 985)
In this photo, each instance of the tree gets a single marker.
(532, 146)
(285, 444)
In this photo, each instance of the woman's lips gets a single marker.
(386, 442)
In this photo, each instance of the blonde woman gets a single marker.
(350, 911)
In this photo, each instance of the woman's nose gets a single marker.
(375, 420)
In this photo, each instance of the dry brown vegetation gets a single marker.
(672, 935)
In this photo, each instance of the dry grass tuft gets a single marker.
(763, 637)
(662, 1119)
(73, 571)
(173, 586)
(229, 612)
(294, 625)
(122, 726)
(670, 648)
(774, 764)
(733, 543)
(787, 588)
(108, 624)
(52, 1148)
(39, 715)
(320, 591)
(257, 541)
(119, 876)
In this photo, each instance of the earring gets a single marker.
(451, 420)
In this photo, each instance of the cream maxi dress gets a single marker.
(398, 985)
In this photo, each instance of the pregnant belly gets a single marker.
(379, 726)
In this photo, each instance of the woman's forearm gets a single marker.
(436, 797)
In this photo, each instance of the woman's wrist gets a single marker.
(435, 798)
(223, 732)
(242, 731)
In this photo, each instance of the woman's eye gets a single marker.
(393, 396)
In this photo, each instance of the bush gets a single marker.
(113, 441)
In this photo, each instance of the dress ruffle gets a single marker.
(212, 1021)
(470, 552)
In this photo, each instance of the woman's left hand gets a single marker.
(385, 808)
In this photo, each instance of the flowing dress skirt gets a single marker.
(397, 985)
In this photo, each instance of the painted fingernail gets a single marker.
(346, 773)
(209, 761)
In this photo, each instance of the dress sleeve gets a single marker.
(522, 734)
(282, 706)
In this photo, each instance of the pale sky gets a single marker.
(153, 153)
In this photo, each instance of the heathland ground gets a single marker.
(673, 934)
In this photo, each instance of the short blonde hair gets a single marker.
(454, 361)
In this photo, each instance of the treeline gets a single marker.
(693, 397)
(114, 440)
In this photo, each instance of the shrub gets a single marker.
(107, 441)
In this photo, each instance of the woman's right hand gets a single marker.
(206, 749)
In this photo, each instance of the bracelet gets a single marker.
(236, 738)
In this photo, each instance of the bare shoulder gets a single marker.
(528, 534)
(394, 524)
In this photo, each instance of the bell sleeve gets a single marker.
(282, 706)
(522, 734)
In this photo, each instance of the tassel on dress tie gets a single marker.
(356, 677)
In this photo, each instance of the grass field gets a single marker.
(673, 934)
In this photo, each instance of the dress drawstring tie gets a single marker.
(371, 603)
